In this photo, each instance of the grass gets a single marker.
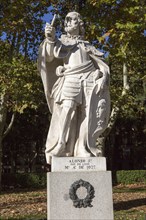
(128, 190)
(129, 215)
(129, 204)
(118, 215)
(26, 217)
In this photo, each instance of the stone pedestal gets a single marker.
(79, 189)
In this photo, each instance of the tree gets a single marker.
(20, 88)
(122, 23)
(21, 33)
(22, 25)
(114, 26)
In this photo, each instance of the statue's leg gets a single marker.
(68, 107)
(81, 144)
(81, 148)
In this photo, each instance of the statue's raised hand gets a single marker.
(50, 32)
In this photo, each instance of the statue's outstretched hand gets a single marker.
(49, 32)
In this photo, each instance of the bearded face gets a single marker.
(72, 24)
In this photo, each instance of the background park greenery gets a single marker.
(115, 26)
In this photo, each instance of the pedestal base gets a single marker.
(79, 195)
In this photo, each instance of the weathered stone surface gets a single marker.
(63, 187)
(68, 164)
(76, 84)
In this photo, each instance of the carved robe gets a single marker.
(81, 83)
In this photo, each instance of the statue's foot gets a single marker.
(68, 154)
(84, 153)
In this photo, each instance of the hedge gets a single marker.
(38, 180)
(129, 176)
(23, 180)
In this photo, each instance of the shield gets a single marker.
(99, 107)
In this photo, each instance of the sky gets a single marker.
(48, 17)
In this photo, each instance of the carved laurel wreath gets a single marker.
(86, 202)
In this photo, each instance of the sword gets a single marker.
(53, 20)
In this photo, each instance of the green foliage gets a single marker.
(130, 105)
(130, 176)
(21, 32)
(38, 180)
(113, 26)
(31, 180)
(19, 81)
(21, 24)
(24, 180)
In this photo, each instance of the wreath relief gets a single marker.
(86, 202)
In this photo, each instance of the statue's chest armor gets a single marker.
(77, 56)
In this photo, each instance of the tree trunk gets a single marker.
(3, 113)
(125, 79)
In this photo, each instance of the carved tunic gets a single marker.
(78, 72)
(72, 69)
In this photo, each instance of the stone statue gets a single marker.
(76, 84)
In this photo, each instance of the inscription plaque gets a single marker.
(69, 164)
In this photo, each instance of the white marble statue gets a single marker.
(76, 85)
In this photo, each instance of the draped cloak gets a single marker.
(99, 103)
